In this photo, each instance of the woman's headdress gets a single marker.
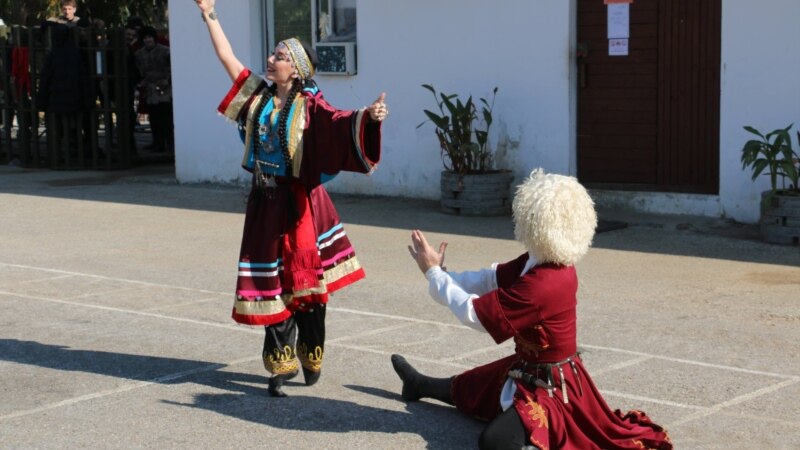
(299, 57)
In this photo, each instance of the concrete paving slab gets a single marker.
(115, 298)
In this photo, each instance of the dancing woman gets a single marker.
(294, 250)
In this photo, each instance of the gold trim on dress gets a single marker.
(296, 128)
(249, 128)
(259, 308)
(321, 289)
(240, 99)
(342, 269)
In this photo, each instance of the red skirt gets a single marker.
(585, 422)
(261, 294)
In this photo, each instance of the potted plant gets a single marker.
(772, 154)
(470, 184)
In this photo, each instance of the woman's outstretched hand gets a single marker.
(425, 255)
(378, 110)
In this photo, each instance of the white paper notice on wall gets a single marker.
(618, 47)
(619, 21)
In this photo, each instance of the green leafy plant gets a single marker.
(773, 153)
(464, 145)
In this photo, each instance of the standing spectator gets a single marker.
(68, 17)
(21, 83)
(132, 83)
(153, 61)
(64, 89)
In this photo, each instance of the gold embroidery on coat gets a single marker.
(537, 413)
(309, 360)
(530, 347)
(280, 363)
(539, 444)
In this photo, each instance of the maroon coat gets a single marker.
(537, 310)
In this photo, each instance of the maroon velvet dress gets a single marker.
(537, 310)
(322, 141)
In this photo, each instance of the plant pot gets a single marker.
(480, 194)
(780, 218)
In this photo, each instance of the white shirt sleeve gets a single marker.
(446, 291)
(477, 282)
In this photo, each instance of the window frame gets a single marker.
(268, 40)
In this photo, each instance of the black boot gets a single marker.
(310, 376)
(417, 385)
(276, 383)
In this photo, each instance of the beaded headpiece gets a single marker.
(300, 58)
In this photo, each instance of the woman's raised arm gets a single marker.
(222, 46)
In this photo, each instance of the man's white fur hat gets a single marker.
(554, 218)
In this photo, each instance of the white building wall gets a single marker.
(760, 73)
(523, 47)
(466, 47)
(207, 147)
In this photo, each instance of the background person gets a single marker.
(294, 250)
(153, 61)
(68, 16)
(64, 89)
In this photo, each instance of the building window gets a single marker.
(285, 19)
(329, 25)
(336, 21)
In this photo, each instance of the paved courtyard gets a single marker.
(116, 289)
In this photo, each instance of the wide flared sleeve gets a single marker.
(340, 140)
(236, 102)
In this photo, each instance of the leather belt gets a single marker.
(524, 375)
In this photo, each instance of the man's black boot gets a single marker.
(417, 385)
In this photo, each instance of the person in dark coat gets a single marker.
(64, 90)
(153, 61)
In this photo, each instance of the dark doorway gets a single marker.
(650, 120)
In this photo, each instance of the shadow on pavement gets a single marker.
(650, 233)
(247, 399)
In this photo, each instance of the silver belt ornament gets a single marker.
(549, 384)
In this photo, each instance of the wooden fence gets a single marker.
(101, 137)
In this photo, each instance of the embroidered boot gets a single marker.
(417, 385)
(311, 377)
(276, 383)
